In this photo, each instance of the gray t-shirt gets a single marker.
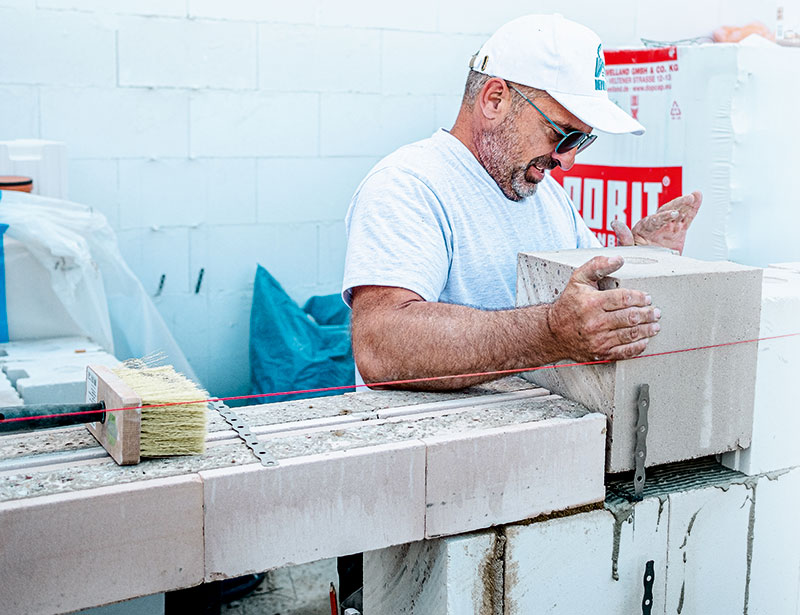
(429, 218)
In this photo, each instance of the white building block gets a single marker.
(27, 350)
(143, 250)
(512, 473)
(331, 181)
(445, 56)
(776, 415)
(299, 58)
(19, 112)
(332, 248)
(373, 125)
(96, 183)
(250, 125)
(459, 575)
(702, 304)
(8, 394)
(187, 53)
(707, 552)
(110, 123)
(173, 8)
(57, 48)
(56, 380)
(45, 162)
(299, 11)
(75, 550)
(169, 192)
(571, 565)
(313, 507)
(774, 580)
(412, 15)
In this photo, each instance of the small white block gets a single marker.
(775, 570)
(707, 552)
(457, 575)
(512, 473)
(566, 566)
(776, 413)
(86, 548)
(310, 508)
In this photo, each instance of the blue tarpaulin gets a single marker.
(293, 348)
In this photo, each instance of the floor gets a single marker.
(295, 590)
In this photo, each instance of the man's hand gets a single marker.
(590, 324)
(667, 227)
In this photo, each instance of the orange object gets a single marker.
(16, 182)
(734, 34)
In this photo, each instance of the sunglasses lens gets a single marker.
(571, 141)
(589, 140)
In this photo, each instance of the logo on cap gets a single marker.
(599, 70)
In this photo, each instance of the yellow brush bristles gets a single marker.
(167, 430)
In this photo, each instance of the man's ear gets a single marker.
(494, 99)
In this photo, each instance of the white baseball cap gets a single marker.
(561, 57)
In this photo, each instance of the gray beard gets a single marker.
(495, 149)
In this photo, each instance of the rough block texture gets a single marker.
(592, 562)
(708, 550)
(776, 413)
(459, 575)
(775, 535)
(512, 473)
(75, 550)
(701, 401)
(259, 518)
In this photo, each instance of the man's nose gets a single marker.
(565, 160)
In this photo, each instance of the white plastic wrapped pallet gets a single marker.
(719, 120)
(65, 276)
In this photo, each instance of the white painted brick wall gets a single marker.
(213, 117)
(196, 54)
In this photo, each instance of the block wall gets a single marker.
(215, 136)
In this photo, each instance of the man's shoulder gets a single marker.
(425, 159)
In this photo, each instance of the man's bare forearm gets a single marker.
(418, 339)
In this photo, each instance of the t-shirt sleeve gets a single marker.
(397, 235)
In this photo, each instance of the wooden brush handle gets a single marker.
(18, 412)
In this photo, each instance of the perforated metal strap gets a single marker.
(649, 578)
(640, 452)
(245, 433)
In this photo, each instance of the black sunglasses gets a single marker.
(571, 140)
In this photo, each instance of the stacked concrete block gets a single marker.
(776, 414)
(701, 401)
(720, 542)
(8, 394)
(461, 575)
(592, 562)
(51, 370)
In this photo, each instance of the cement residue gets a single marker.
(64, 477)
(491, 577)
(750, 534)
(357, 435)
(622, 512)
(76, 477)
(368, 401)
(46, 441)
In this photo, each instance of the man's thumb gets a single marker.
(596, 269)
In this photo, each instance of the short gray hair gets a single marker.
(476, 81)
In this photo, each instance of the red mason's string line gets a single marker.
(502, 372)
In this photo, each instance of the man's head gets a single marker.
(537, 79)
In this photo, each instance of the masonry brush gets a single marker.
(138, 431)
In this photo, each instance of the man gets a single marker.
(435, 228)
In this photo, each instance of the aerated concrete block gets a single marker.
(457, 575)
(54, 379)
(776, 413)
(701, 400)
(592, 562)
